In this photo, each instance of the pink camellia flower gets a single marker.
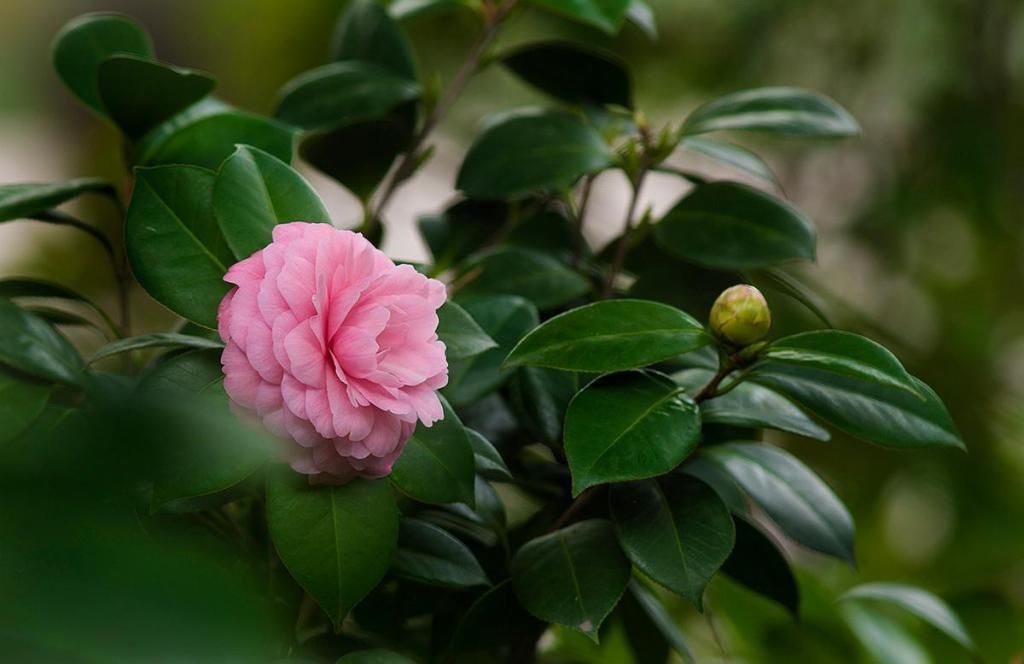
(334, 347)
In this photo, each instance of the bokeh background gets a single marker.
(922, 232)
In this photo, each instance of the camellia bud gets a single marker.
(740, 316)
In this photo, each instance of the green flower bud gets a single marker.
(740, 316)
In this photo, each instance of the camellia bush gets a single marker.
(334, 455)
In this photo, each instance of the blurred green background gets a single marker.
(921, 241)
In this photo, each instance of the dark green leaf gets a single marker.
(758, 563)
(336, 541)
(21, 402)
(366, 32)
(494, 619)
(505, 319)
(86, 41)
(139, 94)
(30, 287)
(192, 371)
(429, 555)
(750, 405)
(921, 603)
(461, 230)
(605, 15)
(628, 426)
(660, 619)
(543, 280)
(610, 336)
(487, 459)
(782, 282)
(174, 245)
(676, 529)
(777, 110)
(531, 149)
(727, 225)
(730, 155)
(208, 138)
(573, 73)
(572, 577)
(55, 316)
(31, 345)
(462, 336)
(803, 506)
(254, 192)
(663, 277)
(437, 464)
(342, 93)
(158, 340)
(24, 200)
(541, 397)
(887, 416)
(377, 656)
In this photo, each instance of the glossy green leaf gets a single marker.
(921, 603)
(158, 340)
(674, 528)
(610, 336)
(605, 15)
(572, 577)
(796, 499)
(254, 192)
(174, 246)
(462, 336)
(13, 287)
(776, 110)
(86, 41)
(505, 319)
(24, 200)
(660, 619)
(462, 229)
(540, 397)
(366, 32)
(21, 402)
(138, 94)
(628, 426)
(206, 139)
(750, 405)
(731, 155)
(56, 316)
(538, 277)
(531, 149)
(882, 637)
(341, 93)
(192, 371)
(336, 541)
(730, 226)
(429, 555)
(887, 416)
(573, 73)
(757, 562)
(376, 656)
(32, 346)
(487, 459)
(437, 464)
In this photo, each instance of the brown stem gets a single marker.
(708, 391)
(623, 246)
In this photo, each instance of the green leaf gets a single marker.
(531, 149)
(24, 200)
(641, 15)
(882, 637)
(56, 316)
(376, 656)
(437, 464)
(674, 528)
(921, 603)
(628, 426)
(462, 336)
(429, 555)
(86, 41)
(610, 336)
(538, 277)
(13, 287)
(336, 541)
(660, 619)
(572, 577)
(158, 340)
(573, 73)
(886, 416)
(366, 32)
(32, 346)
(254, 192)
(494, 619)
(403, 10)
(757, 562)
(796, 499)
(540, 397)
(605, 15)
(192, 371)
(841, 353)
(462, 229)
(487, 459)
(731, 155)
(174, 245)
(21, 402)
(776, 110)
(209, 137)
(342, 93)
(139, 94)
(750, 405)
(505, 319)
(730, 226)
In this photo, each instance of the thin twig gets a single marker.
(581, 217)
